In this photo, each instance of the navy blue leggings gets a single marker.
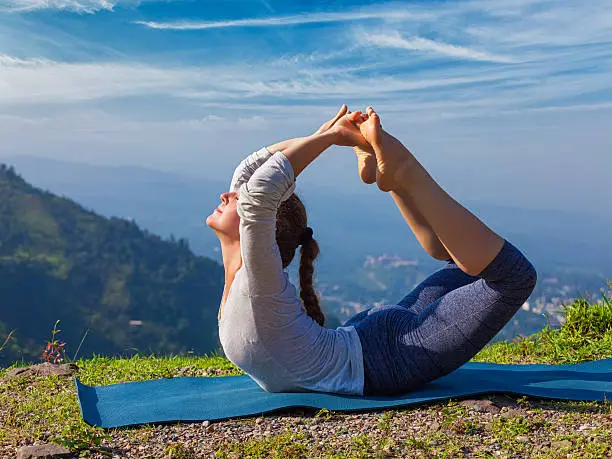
(442, 323)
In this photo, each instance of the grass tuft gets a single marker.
(586, 334)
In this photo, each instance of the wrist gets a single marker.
(332, 136)
(328, 137)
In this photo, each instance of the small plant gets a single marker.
(54, 351)
(385, 421)
(179, 450)
(324, 414)
(78, 436)
(8, 338)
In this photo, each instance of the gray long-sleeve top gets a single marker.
(264, 328)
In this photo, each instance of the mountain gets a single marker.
(366, 223)
(126, 289)
(568, 246)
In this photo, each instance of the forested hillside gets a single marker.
(129, 290)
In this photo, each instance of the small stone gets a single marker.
(205, 424)
(435, 425)
(44, 369)
(210, 428)
(522, 439)
(48, 451)
(561, 444)
(510, 413)
(259, 421)
(481, 406)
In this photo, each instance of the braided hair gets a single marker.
(292, 232)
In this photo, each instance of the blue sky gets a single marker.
(507, 100)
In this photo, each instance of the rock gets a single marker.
(561, 444)
(184, 371)
(485, 406)
(259, 421)
(511, 412)
(522, 439)
(44, 369)
(48, 451)
(501, 400)
(205, 424)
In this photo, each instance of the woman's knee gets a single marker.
(519, 284)
(511, 274)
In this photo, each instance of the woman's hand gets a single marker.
(344, 128)
(283, 145)
(328, 124)
(346, 133)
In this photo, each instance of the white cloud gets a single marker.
(79, 6)
(395, 40)
(529, 53)
(45, 81)
(279, 21)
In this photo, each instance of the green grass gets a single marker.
(585, 335)
(46, 409)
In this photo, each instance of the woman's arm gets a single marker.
(284, 144)
(258, 202)
(250, 164)
(304, 151)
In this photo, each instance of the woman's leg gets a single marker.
(435, 286)
(403, 350)
(441, 282)
(419, 226)
(470, 243)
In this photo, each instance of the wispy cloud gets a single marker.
(395, 40)
(75, 6)
(540, 69)
(36, 81)
(280, 21)
(79, 6)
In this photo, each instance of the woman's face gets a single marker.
(224, 219)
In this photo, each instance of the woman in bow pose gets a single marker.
(278, 338)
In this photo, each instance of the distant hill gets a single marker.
(132, 290)
(367, 224)
(567, 245)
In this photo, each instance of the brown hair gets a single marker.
(291, 220)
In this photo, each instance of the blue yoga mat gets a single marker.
(200, 398)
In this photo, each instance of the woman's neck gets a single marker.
(232, 259)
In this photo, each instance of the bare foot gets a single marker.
(366, 163)
(391, 156)
(366, 158)
(372, 131)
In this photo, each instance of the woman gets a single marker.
(280, 341)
